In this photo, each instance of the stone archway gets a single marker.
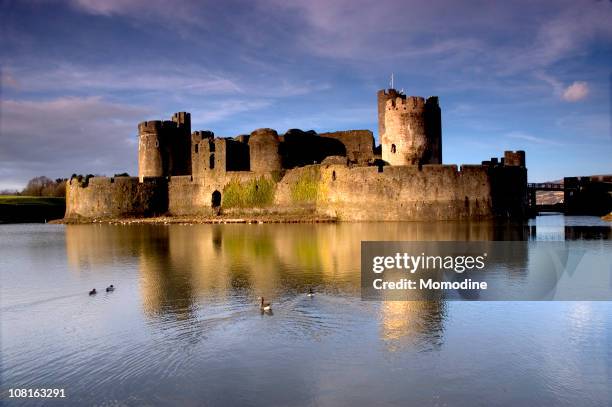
(216, 199)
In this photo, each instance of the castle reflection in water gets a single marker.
(183, 268)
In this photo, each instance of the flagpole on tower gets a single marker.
(392, 81)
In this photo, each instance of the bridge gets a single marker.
(534, 187)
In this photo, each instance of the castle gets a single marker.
(341, 175)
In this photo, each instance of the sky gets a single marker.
(77, 76)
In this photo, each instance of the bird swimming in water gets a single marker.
(310, 292)
(110, 288)
(93, 292)
(265, 306)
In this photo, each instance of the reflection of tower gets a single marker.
(410, 129)
(406, 322)
(166, 287)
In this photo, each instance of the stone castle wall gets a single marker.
(359, 144)
(367, 193)
(104, 197)
(434, 192)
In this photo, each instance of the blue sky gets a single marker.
(77, 76)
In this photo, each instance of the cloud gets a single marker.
(65, 135)
(575, 92)
(531, 138)
(184, 10)
(66, 76)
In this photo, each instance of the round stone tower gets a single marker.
(409, 128)
(263, 151)
(150, 149)
(404, 141)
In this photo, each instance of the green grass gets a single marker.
(30, 200)
(306, 189)
(253, 193)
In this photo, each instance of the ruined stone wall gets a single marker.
(299, 148)
(359, 144)
(436, 192)
(514, 158)
(368, 193)
(241, 192)
(202, 152)
(178, 144)
(103, 197)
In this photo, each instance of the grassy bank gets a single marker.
(20, 209)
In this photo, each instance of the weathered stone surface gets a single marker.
(263, 149)
(338, 174)
(101, 197)
(359, 144)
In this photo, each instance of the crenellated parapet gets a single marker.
(164, 147)
(412, 130)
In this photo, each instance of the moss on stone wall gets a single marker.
(306, 189)
(256, 192)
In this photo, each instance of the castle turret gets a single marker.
(412, 130)
(263, 150)
(179, 145)
(150, 149)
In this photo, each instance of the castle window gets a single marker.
(393, 148)
(333, 175)
(156, 143)
(196, 148)
(212, 161)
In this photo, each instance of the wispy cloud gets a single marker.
(66, 77)
(532, 139)
(575, 92)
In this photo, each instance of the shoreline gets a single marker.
(195, 220)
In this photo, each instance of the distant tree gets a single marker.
(123, 174)
(44, 186)
(37, 185)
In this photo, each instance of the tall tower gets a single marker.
(179, 145)
(410, 129)
(150, 149)
(263, 147)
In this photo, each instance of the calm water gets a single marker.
(184, 327)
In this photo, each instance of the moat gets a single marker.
(183, 326)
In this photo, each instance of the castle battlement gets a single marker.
(408, 103)
(200, 135)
